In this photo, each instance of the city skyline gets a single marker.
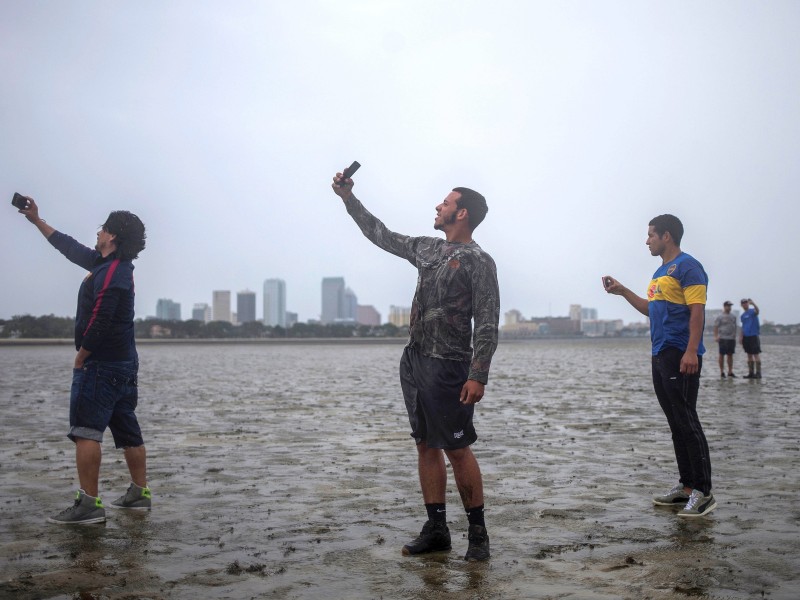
(341, 302)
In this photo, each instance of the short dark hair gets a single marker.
(129, 232)
(475, 204)
(663, 223)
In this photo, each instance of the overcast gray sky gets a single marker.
(221, 124)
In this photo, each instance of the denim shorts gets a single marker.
(432, 390)
(105, 394)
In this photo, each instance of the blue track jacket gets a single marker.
(104, 318)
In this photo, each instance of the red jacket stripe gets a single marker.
(111, 268)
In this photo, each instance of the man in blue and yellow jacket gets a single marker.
(675, 304)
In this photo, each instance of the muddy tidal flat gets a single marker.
(286, 471)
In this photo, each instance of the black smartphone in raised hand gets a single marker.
(348, 172)
(19, 201)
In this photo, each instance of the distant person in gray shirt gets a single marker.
(442, 376)
(725, 335)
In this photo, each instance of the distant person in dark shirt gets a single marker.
(441, 375)
(104, 378)
(725, 336)
(751, 340)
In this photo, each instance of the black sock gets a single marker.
(437, 512)
(475, 516)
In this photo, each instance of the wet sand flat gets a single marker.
(286, 471)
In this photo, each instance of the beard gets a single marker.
(446, 221)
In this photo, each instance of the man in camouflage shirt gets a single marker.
(441, 375)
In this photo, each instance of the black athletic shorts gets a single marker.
(752, 344)
(432, 391)
(727, 347)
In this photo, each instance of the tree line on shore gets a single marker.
(52, 327)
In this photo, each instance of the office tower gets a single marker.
(513, 316)
(332, 299)
(575, 312)
(246, 306)
(201, 312)
(367, 315)
(221, 306)
(588, 314)
(400, 316)
(275, 303)
(349, 306)
(167, 310)
(291, 319)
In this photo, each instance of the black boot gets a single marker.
(478, 544)
(434, 537)
(750, 369)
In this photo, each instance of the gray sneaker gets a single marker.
(86, 510)
(136, 498)
(674, 497)
(698, 505)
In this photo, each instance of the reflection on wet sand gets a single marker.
(288, 472)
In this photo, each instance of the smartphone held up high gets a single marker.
(348, 172)
(19, 201)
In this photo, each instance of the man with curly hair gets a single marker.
(104, 378)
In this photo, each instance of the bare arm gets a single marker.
(636, 301)
(689, 361)
(755, 307)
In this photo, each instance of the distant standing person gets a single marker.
(725, 336)
(441, 376)
(751, 342)
(104, 378)
(675, 303)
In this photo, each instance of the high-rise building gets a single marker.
(580, 313)
(400, 316)
(246, 306)
(201, 312)
(221, 306)
(275, 303)
(575, 312)
(349, 306)
(167, 310)
(332, 299)
(588, 314)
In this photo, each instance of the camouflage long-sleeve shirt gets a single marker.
(456, 283)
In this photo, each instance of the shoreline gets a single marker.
(777, 340)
